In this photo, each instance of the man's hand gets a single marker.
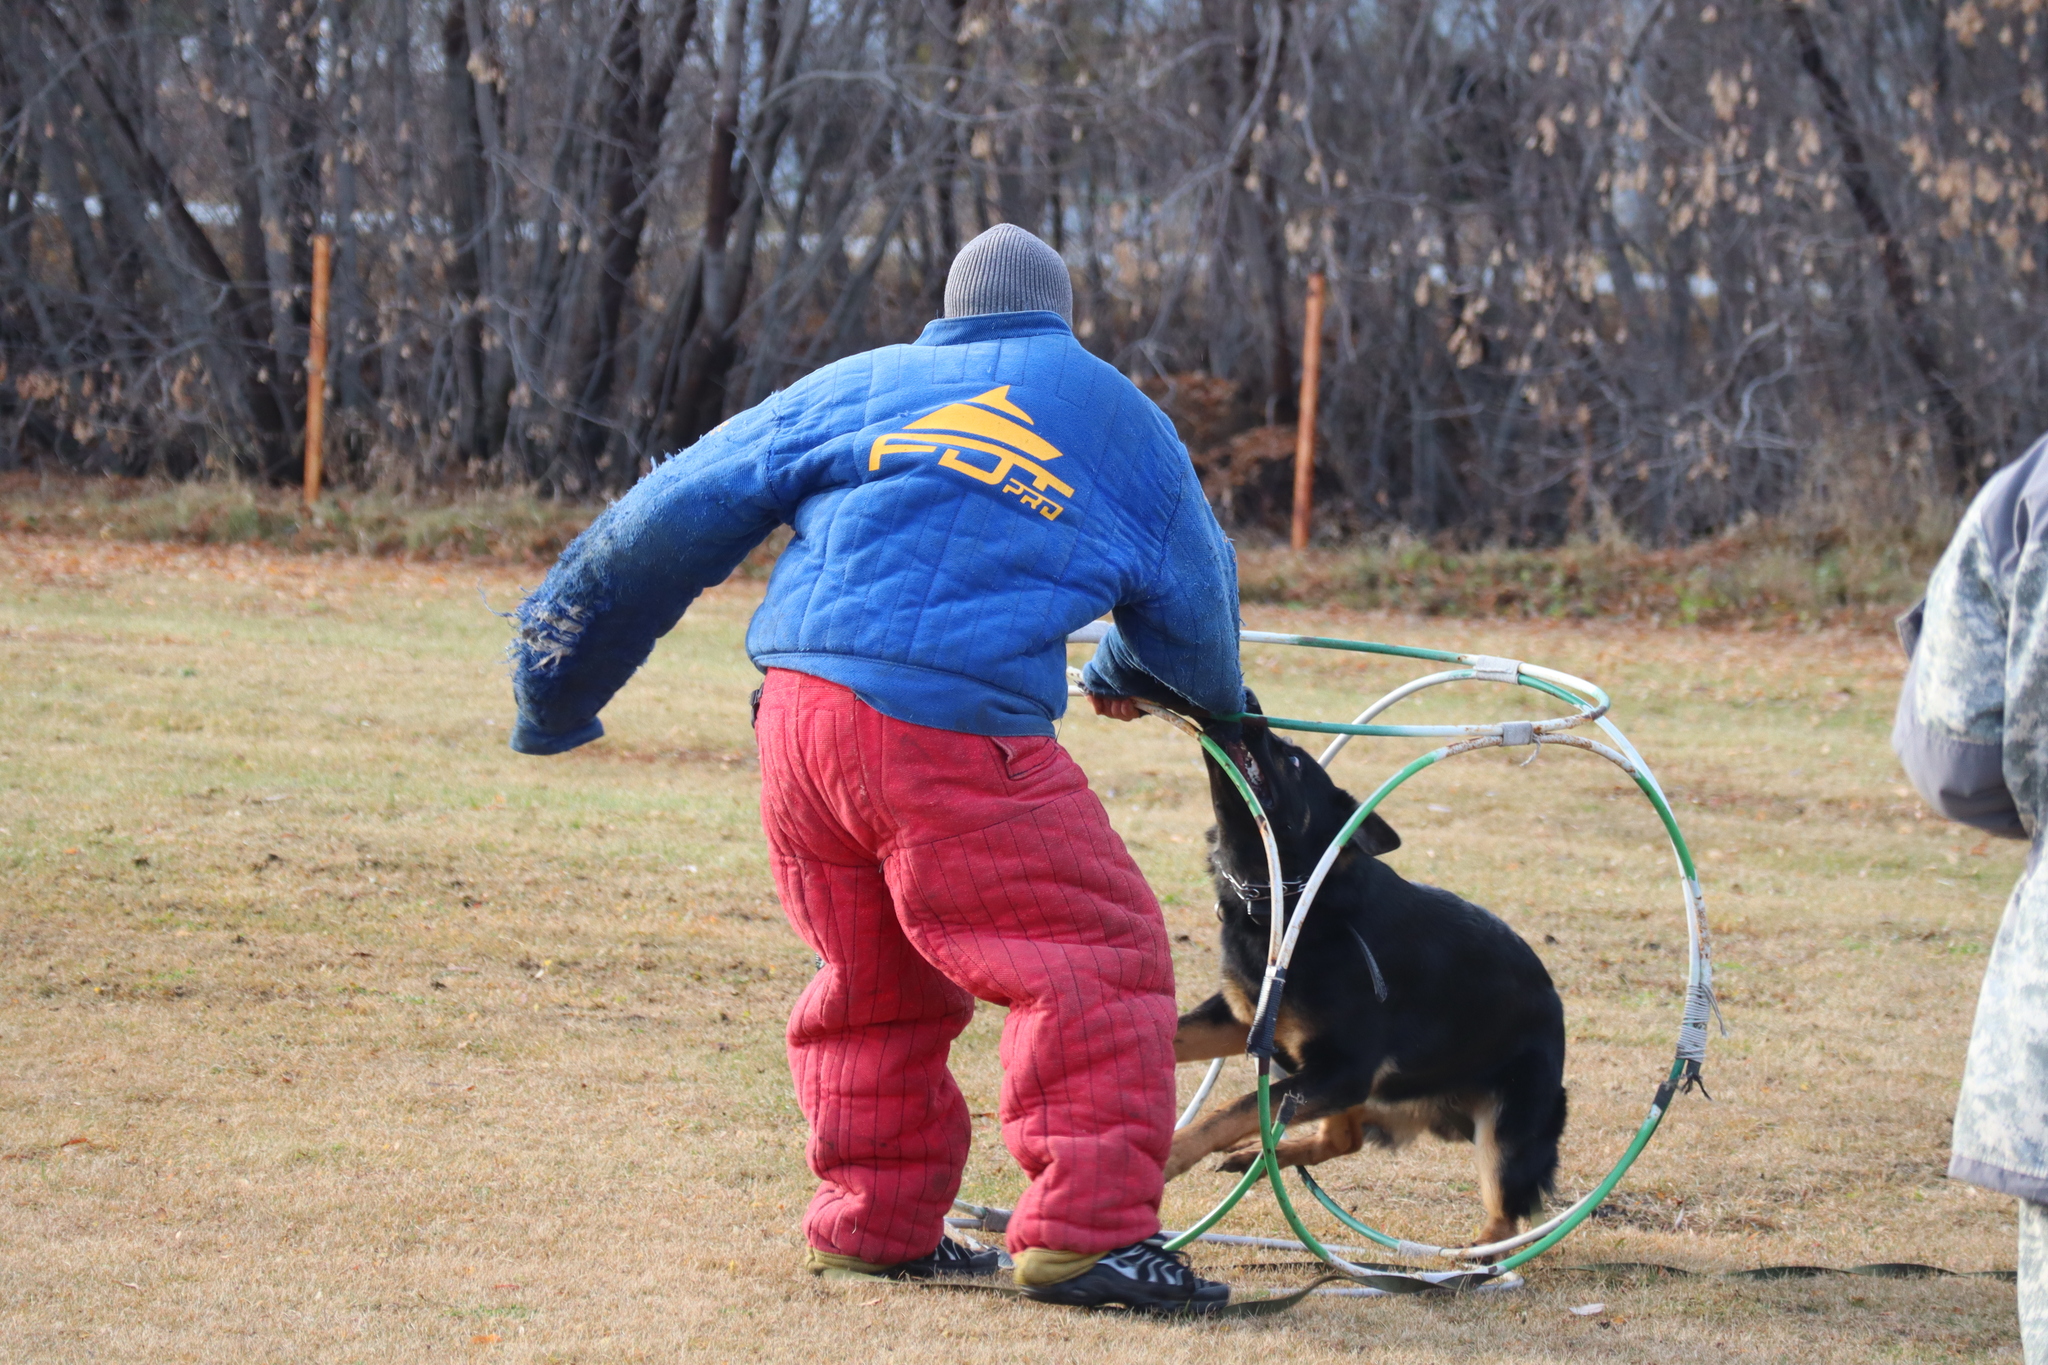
(1116, 708)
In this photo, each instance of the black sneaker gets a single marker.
(1143, 1276)
(949, 1260)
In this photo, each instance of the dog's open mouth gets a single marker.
(1254, 775)
(1238, 744)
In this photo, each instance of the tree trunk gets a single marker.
(946, 165)
(239, 143)
(88, 264)
(466, 211)
(396, 326)
(707, 351)
(300, 195)
(188, 239)
(636, 106)
(21, 176)
(347, 330)
(496, 230)
(259, 93)
(1900, 286)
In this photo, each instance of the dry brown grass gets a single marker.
(449, 524)
(1833, 561)
(334, 1031)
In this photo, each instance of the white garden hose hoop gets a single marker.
(1590, 705)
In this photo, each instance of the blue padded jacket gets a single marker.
(959, 505)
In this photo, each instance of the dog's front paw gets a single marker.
(1238, 1162)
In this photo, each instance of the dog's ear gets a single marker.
(1375, 837)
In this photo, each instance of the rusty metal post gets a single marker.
(1305, 429)
(316, 369)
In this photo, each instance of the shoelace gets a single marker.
(950, 1252)
(1138, 1265)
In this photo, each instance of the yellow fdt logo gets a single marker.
(982, 424)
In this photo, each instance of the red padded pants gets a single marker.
(928, 868)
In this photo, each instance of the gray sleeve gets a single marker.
(1961, 779)
(1976, 690)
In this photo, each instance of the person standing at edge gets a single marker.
(1972, 734)
(959, 504)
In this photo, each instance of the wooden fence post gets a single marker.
(316, 370)
(1305, 428)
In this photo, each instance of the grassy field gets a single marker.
(334, 1031)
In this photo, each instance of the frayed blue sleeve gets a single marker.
(1180, 632)
(1114, 671)
(625, 582)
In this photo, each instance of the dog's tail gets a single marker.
(1531, 1122)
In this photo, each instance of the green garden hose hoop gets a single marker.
(1589, 706)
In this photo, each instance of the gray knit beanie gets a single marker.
(1008, 270)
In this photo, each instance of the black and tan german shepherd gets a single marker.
(1406, 1008)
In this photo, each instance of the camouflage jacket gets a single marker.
(1972, 732)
